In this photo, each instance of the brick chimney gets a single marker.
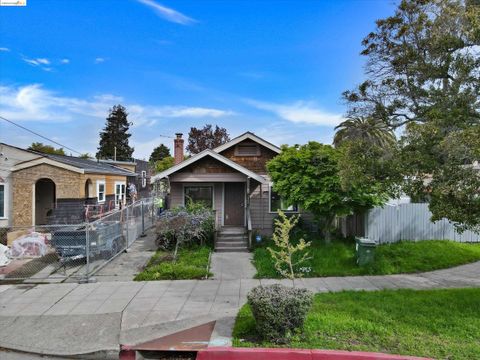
(178, 148)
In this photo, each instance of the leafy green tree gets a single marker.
(159, 153)
(423, 78)
(164, 164)
(85, 156)
(206, 138)
(115, 135)
(46, 149)
(364, 129)
(308, 175)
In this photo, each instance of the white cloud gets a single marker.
(99, 60)
(299, 112)
(4, 49)
(168, 13)
(37, 61)
(35, 103)
(65, 61)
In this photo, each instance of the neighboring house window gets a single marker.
(101, 191)
(144, 178)
(199, 194)
(247, 150)
(2, 200)
(277, 203)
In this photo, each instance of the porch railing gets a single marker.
(249, 227)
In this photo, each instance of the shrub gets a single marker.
(181, 226)
(278, 310)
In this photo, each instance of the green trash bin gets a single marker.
(365, 249)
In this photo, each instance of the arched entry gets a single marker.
(88, 189)
(45, 199)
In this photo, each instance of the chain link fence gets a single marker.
(72, 252)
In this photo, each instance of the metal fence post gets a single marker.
(142, 212)
(126, 227)
(87, 252)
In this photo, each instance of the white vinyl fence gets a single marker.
(411, 222)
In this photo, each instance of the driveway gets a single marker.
(125, 266)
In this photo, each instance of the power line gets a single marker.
(43, 137)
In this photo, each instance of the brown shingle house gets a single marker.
(233, 180)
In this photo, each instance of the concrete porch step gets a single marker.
(231, 237)
(229, 244)
(232, 230)
(232, 249)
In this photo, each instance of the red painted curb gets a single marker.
(226, 353)
(126, 353)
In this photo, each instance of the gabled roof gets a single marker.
(71, 163)
(251, 136)
(214, 155)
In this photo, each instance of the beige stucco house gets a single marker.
(34, 186)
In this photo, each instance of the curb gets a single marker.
(228, 353)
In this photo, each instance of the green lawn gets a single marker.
(442, 324)
(338, 258)
(191, 264)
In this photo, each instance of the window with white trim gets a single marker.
(2, 201)
(101, 191)
(144, 178)
(278, 203)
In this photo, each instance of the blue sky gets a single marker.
(276, 68)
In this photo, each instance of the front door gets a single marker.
(234, 204)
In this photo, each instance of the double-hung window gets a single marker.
(144, 178)
(278, 203)
(101, 191)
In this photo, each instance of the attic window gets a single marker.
(247, 150)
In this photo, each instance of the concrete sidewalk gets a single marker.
(232, 265)
(68, 319)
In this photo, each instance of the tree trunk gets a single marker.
(327, 229)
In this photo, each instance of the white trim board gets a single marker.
(214, 155)
(245, 136)
(46, 161)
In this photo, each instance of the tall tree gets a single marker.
(46, 149)
(159, 153)
(206, 138)
(364, 129)
(115, 136)
(423, 77)
(308, 175)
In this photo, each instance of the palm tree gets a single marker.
(364, 128)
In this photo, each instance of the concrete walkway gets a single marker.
(66, 319)
(232, 265)
(127, 265)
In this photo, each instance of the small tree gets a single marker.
(284, 257)
(85, 156)
(206, 138)
(159, 153)
(46, 149)
(164, 164)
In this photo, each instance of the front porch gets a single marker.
(230, 202)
